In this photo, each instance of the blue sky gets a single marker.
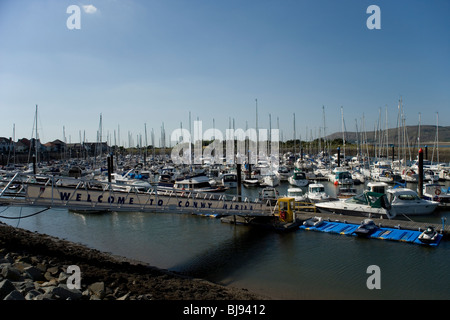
(148, 62)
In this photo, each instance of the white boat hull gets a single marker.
(298, 182)
(341, 207)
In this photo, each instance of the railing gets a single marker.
(85, 194)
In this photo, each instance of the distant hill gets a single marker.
(427, 135)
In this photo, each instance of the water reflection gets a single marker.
(223, 258)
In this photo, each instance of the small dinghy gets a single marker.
(430, 235)
(313, 222)
(366, 228)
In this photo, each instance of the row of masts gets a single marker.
(381, 144)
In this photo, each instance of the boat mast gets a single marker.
(257, 133)
(294, 137)
(343, 130)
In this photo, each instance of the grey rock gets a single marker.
(25, 286)
(63, 292)
(63, 277)
(11, 273)
(21, 265)
(32, 294)
(98, 289)
(53, 270)
(6, 287)
(44, 296)
(34, 273)
(14, 295)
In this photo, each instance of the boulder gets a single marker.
(34, 273)
(32, 294)
(62, 292)
(11, 273)
(6, 287)
(98, 289)
(14, 295)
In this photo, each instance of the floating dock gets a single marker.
(382, 233)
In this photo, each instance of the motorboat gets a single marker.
(430, 235)
(409, 175)
(283, 173)
(298, 179)
(196, 183)
(404, 200)
(316, 193)
(376, 186)
(269, 195)
(346, 191)
(437, 192)
(340, 176)
(297, 194)
(270, 180)
(407, 201)
(313, 222)
(366, 228)
(429, 175)
(125, 182)
(229, 180)
(370, 204)
(250, 183)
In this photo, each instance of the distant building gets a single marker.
(6, 144)
(54, 146)
(23, 145)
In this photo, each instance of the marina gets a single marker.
(214, 219)
(225, 251)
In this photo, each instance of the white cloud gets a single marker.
(89, 9)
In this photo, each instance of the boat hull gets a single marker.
(339, 207)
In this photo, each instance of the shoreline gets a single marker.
(36, 265)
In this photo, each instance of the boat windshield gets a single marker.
(375, 200)
(408, 196)
(229, 177)
(317, 189)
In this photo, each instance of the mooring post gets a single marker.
(239, 178)
(34, 164)
(393, 153)
(420, 187)
(339, 156)
(108, 160)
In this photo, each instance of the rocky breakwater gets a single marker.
(25, 277)
(40, 267)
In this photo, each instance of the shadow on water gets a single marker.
(226, 257)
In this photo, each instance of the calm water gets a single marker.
(297, 265)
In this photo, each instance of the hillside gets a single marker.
(427, 135)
